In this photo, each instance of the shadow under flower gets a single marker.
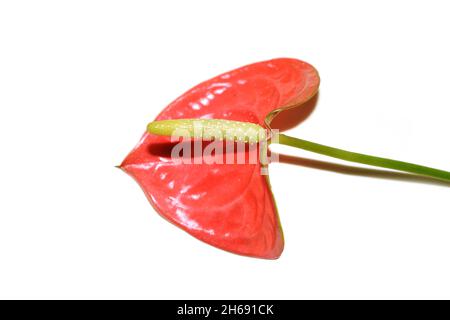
(359, 171)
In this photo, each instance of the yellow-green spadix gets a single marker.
(218, 129)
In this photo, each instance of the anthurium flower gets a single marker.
(227, 204)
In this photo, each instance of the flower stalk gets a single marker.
(229, 130)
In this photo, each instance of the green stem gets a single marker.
(363, 158)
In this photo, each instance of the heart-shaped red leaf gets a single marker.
(229, 206)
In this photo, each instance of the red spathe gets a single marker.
(229, 206)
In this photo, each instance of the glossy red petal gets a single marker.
(229, 206)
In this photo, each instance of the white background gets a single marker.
(79, 80)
